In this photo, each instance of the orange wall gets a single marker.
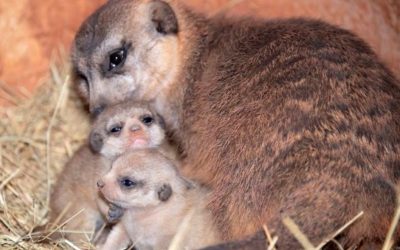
(31, 30)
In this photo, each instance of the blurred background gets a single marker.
(33, 32)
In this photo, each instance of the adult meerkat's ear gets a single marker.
(163, 17)
(96, 141)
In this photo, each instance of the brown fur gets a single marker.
(156, 205)
(281, 118)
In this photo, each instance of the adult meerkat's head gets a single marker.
(142, 178)
(127, 49)
(124, 127)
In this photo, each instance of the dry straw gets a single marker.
(37, 137)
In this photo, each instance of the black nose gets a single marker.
(100, 184)
(97, 110)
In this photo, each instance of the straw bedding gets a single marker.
(37, 137)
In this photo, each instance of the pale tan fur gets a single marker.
(75, 190)
(134, 132)
(76, 197)
(149, 222)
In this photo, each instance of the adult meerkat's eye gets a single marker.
(127, 183)
(147, 120)
(117, 58)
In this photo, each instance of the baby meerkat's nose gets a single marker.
(135, 127)
(100, 184)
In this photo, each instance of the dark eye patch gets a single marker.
(147, 120)
(116, 129)
(127, 183)
(115, 60)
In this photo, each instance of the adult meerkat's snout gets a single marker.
(125, 50)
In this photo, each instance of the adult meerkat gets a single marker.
(280, 118)
(75, 198)
(155, 200)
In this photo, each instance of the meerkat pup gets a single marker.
(75, 205)
(129, 126)
(75, 200)
(155, 200)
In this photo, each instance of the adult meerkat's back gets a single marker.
(281, 118)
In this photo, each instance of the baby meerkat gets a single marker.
(120, 128)
(156, 199)
(75, 202)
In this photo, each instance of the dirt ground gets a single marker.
(32, 31)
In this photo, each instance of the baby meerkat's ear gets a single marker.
(95, 141)
(163, 17)
(164, 192)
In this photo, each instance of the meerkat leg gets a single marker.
(117, 239)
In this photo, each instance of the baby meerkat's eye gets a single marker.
(127, 183)
(116, 129)
(147, 120)
(117, 58)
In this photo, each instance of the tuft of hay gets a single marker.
(37, 137)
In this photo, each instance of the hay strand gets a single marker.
(298, 234)
(388, 244)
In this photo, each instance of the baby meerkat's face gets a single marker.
(124, 127)
(139, 179)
